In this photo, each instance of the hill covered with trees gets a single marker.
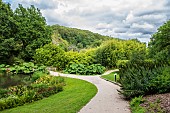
(76, 38)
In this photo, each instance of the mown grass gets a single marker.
(76, 94)
(111, 77)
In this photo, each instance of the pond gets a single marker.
(7, 80)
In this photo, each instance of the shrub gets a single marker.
(113, 50)
(105, 54)
(161, 82)
(85, 57)
(51, 55)
(81, 69)
(144, 78)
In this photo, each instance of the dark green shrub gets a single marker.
(81, 69)
(161, 82)
(144, 78)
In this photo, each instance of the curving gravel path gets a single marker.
(107, 99)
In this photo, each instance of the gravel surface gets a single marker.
(162, 99)
(107, 99)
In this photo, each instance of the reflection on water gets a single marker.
(12, 80)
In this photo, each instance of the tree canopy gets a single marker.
(22, 31)
(160, 43)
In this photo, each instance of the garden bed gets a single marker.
(18, 95)
(155, 102)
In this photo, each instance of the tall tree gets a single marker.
(8, 28)
(33, 31)
(160, 43)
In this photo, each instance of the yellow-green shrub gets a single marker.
(51, 55)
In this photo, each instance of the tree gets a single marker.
(8, 46)
(21, 32)
(33, 31)
(160, 42)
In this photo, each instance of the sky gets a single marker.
(125, 19)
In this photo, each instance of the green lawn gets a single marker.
(111, 76)
(76, 94)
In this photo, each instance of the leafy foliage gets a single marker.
(59, 41)
(81, 69)
(121, 63)
(22, 31)
(160, 44)
(33, 31)
(8, 27)
(51, 55)
(111, 51)
(85, 57)
(24, 68)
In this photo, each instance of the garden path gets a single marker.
(107, 99)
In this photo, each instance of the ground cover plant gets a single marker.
(150, 104)
(76, 93)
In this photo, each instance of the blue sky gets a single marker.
(7, 1)
(125, 19)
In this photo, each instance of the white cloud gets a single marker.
(119, 18)
(142, 26)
